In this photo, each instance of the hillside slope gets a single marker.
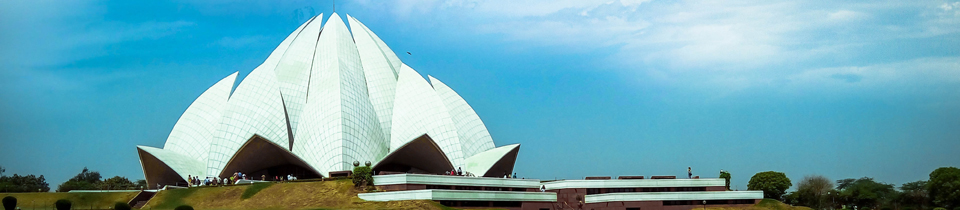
(297, 195)
(45, 200)
(765, 204)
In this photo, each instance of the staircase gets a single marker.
(141, 199)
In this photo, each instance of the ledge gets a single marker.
(427, 179)
(634, 183)
(460, 195)
(672, 196)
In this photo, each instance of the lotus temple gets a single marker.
(330, 97)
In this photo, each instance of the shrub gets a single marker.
(184, 207)
(121, 206)
(362, 176)
(63, 204)
(9, 203)
(939, 208)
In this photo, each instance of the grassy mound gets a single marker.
(92, 200)
(338, 194)
(765, 204)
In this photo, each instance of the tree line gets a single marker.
(940, 192)
(85, 180)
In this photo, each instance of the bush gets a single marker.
(9, 203)
(121, 206)
(63, 204)
(183, 207)
(939, 208)
(362, 176)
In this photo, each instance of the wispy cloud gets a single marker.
(733, 45)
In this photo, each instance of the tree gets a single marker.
(85, 180)
(117, 183)
(2, 170)
(915, 194)
(28, 183)
(141, 184)
(866, 193)
(844, 183)
(725, 176)
(772, 183)
(944, 187)
(812, 190)
(87, 176)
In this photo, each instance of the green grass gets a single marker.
(174, 197)
(95, 200)
(254, 189)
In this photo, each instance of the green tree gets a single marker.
(117, 183)
(915, 194)
(944, 187)
(140, 184)
(726, 177)
(866, 193)
(85, 180)
(28, 183)
(812, 191)
(773, 184)
(844, 183)
(87, 176)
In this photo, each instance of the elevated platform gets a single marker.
(459, 195)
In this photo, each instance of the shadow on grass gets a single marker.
(254, 189)
(174, 198)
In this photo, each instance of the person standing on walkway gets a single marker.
(689, 173)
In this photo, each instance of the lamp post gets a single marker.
(704, 204)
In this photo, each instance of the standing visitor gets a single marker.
(459, 171)
(689, 173)
(189, 180)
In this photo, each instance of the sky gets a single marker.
(844, 89)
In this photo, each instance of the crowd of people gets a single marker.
(195, 181)
(459, 172)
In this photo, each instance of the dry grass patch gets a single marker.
(765, 204)
(339, 194)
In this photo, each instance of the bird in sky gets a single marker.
(408, 53)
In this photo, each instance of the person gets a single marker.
(689, 173)
(189, 180)
(459, 171)
(514, 175)
(263, 177)
(543, 188)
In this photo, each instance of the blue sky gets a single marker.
(844, 89)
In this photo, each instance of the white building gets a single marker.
(327, 97)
